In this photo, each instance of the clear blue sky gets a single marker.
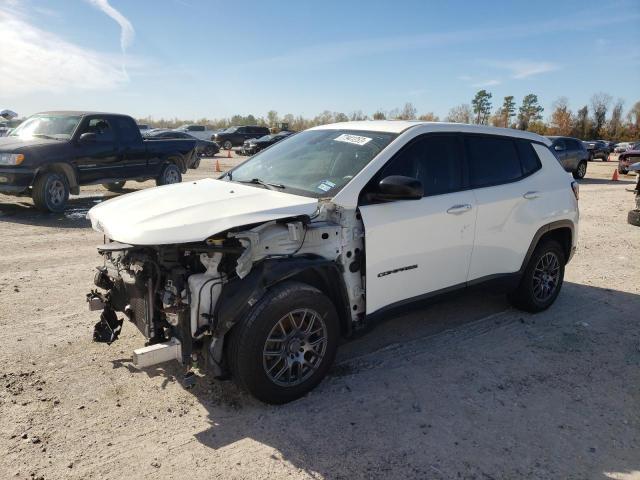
(198, 58)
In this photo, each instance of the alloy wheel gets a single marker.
(546, 276)
(171, 176)
(56, 192)
(295, 347)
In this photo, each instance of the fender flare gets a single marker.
(239, 295)
(66, 168)
(542, 231)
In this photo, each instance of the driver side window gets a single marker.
(102, 128)
(435, 160)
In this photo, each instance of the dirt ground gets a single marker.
(465, 388)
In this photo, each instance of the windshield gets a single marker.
(315, 163)
(60, 127)
(266, 137)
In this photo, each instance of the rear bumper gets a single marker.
(16, 179)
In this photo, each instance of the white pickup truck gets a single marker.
(259, 273)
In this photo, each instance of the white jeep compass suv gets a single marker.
(258, 274)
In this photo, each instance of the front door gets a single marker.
(101, 158)
(418, 247)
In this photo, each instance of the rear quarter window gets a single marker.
(492, 160)
(529, 159)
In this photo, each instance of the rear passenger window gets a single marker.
(435, 160)
(492, 160)
(129, 132)
(528, 157)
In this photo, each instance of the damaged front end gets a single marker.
(185, 298)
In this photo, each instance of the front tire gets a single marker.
(227, 145)
(114, 186)
(542, 278)
(50, 192)
(170, 174)
(580, 171)
(284, 347)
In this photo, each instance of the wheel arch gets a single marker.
(177, 159)
(240, 295)
(562, 231)
(65, 169)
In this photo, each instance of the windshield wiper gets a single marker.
(257, 181)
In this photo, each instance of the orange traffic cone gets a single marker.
(229, 153)
(614, 178)
(218, 166)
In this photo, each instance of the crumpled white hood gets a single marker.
(192, 211)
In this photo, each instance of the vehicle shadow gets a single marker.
(21, 210)
(468, 386)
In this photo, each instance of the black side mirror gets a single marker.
(88, 137)
(398, 187)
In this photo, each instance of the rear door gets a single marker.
(100, 159)
(132, 149)
(417, 247)
(505, 175)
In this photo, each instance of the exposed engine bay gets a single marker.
(184, 298)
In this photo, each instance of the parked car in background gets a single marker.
(572, 154)
(198, 131)
(627, 158)
(597, 149)
(254, 145)
(622, 147)
(235, 136)
(608, 144)
(51, 154)
(204, 148)
(259, 274)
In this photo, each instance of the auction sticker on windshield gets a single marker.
(326, 185)
(355, 139)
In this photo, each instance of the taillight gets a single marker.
(576, 190)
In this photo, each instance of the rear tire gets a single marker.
(170, 174)
(50, 192)
(114, 186)
(633, 217)
(580, 171)
(227, 145)
(284, 347)
(542, 278)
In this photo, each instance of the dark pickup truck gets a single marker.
(51, 154)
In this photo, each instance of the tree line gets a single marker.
(602, 118)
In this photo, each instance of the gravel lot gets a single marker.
(466, 388)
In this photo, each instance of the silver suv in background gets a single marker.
(572, 154)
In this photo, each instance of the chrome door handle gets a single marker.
(457, 209)
(531, 195)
